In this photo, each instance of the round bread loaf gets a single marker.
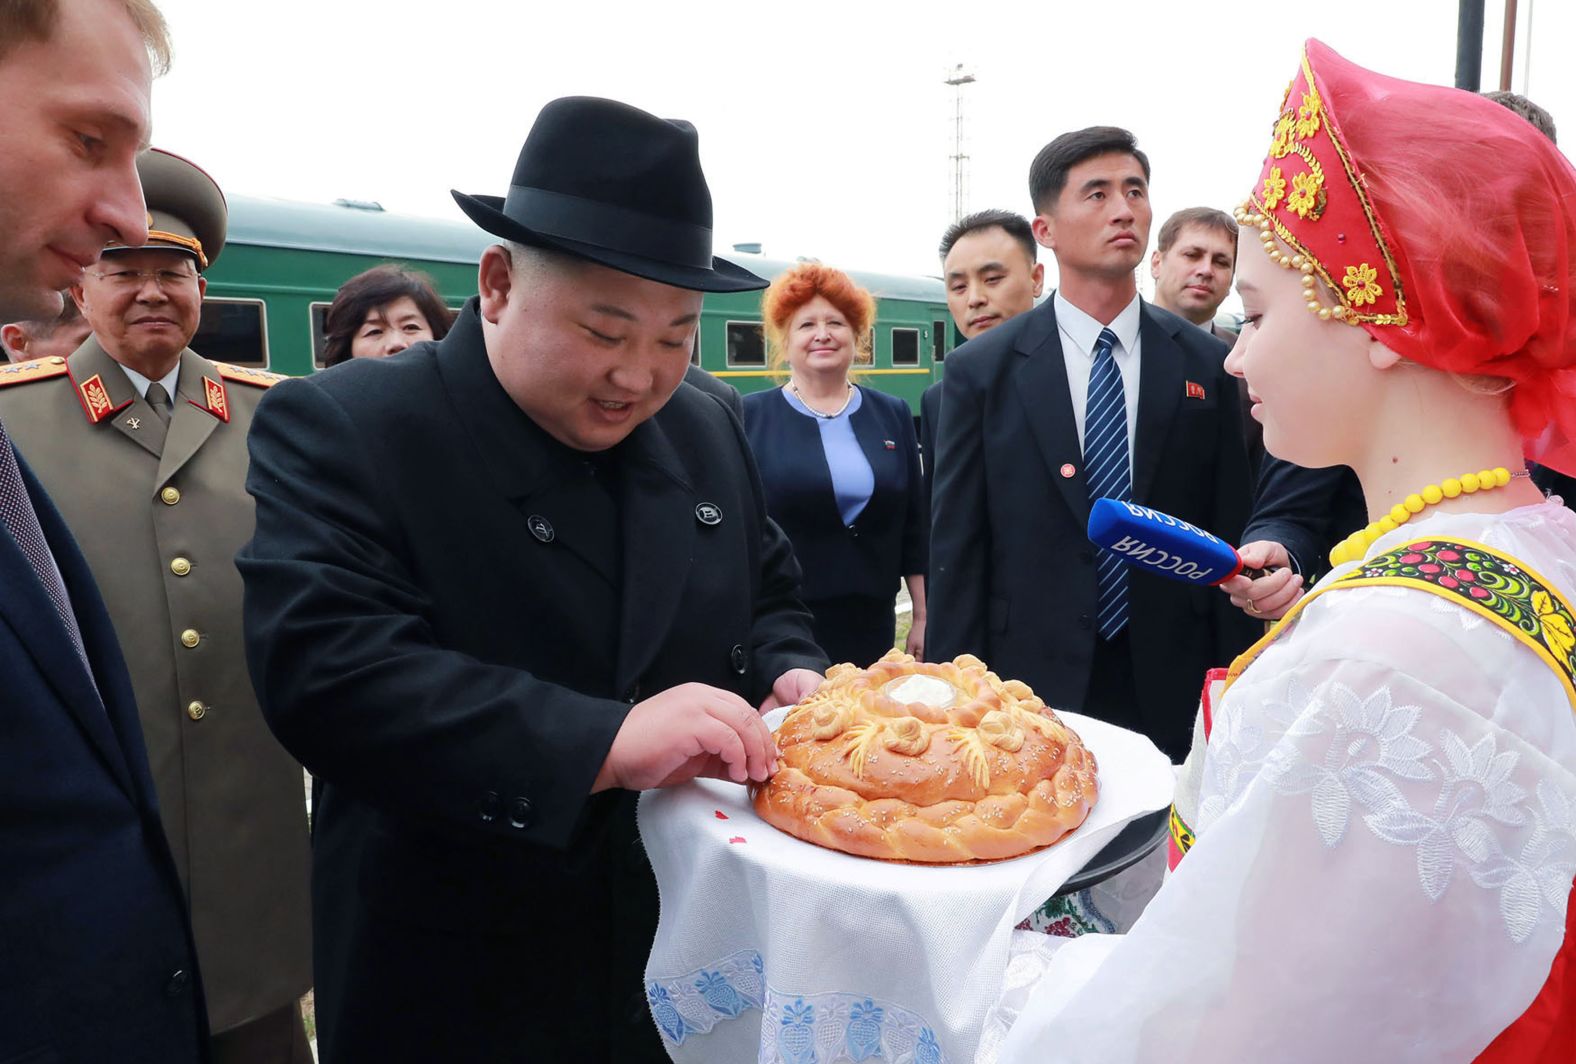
(936, 763)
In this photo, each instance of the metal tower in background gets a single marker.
(957, 79)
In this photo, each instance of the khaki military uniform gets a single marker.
(160, 513)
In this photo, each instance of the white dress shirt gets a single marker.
(1079, 334)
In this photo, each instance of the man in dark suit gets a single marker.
(1092, 394)
(988, 265)
(96, 958)
(569, 593)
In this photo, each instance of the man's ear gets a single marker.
(1038, 276)
(1044, 227)
(14, 337)
(1154, 264)
(494, 281)
(79, 297)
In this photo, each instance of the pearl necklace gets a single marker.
(819, 413)
(1355, 546)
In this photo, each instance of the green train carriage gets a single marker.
(283, 262)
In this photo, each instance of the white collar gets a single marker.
(1085, 331)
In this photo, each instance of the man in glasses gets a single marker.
(141, 442)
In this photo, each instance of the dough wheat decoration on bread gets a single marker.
(937, 763)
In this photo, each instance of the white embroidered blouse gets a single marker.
(1386, 847)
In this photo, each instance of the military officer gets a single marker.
(142, 444)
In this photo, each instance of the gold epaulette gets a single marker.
(257, 378)
(38, 369)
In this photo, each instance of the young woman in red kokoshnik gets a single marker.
(1380, 828)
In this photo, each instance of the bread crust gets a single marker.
(993, 775)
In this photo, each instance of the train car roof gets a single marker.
(370, 230)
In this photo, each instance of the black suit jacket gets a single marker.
(721, 390)
(929, 418)
(1013, 571)
(445, 631)
(1307, 511)
(889, 538)
(96, 957)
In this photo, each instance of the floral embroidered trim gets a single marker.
(795, 1029)
(1304, 129)
(696, 1002)
(1488, 583)
(1068, 916)
(834, 1027)
(1182, 836)
(1370, 750)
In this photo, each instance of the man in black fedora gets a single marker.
(500, 584)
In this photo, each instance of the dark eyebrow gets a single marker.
(1094, 184)
(982, 268)
(619, 312)
(1134, 182)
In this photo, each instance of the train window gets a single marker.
(746, 344)
(938, 340)
(234, 331)
(319, 315)
(905, 347)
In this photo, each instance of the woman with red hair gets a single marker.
(840, 465)
(1384, 796)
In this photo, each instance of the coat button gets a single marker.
(196, 711)
(708, 513)
(520, 813)
(633, 694)
(540, 527)
(170, 496)
(180, 566)
(180, 979)
(737, 657)
(190, 638)
(489, 807)
(1085, 621)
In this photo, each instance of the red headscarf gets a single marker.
(1445, 225)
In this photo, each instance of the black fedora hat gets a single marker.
(607, 182)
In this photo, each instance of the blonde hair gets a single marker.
(34, 20)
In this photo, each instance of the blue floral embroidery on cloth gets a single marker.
(832, 1028)
(697, 1002)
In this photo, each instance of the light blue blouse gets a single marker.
(853, 481)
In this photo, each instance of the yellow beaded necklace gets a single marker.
(1355, 546)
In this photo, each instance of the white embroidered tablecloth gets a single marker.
(775, 950)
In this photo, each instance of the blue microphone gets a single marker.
(1164, 545)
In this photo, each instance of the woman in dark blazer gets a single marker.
(840, 465)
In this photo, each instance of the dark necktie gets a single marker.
(1109, 475)
(21, 521)
(159, 399)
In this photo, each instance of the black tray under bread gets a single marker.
(1129, 847)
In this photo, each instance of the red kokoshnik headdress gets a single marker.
(1444, 223)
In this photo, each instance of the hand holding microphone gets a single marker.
(1167, 546)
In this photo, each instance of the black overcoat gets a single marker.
(1012, 568)
(447, 633)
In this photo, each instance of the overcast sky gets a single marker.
(826, 129)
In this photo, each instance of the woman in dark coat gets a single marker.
(840, 465)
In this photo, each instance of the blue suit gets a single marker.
(96, 957)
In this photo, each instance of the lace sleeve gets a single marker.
(1386, 846)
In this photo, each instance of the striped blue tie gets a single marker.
(1107, 470)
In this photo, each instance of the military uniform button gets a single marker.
(180, 566)
(520, 813)
(179, 981)
(190, 638)
(170, 496)
(56, 360)
(196, 711)
(737, 657)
